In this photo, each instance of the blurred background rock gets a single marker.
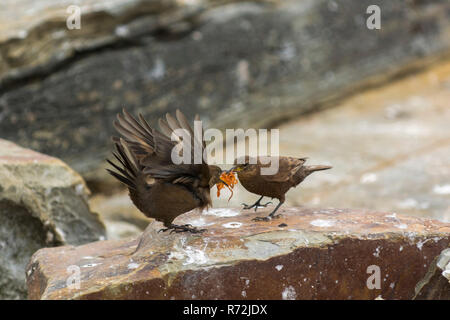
(43, 203)
(373, 103)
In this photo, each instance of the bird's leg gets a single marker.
(271, 215)
(182, 228)
(256, 205)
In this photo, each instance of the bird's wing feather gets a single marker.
(195, 143)
(153, 149)
(287, 168)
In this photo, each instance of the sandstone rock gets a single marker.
(43, 203)
(306, 254)
(436, 283)
(289, 57)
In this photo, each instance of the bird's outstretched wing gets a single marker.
(153, 149)
(195, 142)
(128, 170)
(287, 167)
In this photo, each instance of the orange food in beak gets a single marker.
(230, 179)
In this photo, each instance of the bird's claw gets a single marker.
(183, 228)
(191, 230)
(255, 205)
(260, 205)
(246, 206)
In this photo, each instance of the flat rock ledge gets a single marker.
(305, 254)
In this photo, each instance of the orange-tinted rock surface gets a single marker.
(305, 254)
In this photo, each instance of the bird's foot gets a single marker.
(268, 218)
(261, 205)
(256, 205)
(183, 228)
(246, 206)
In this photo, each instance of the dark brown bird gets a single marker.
(290, 173)
(158, 187)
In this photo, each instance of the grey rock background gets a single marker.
(235, 63)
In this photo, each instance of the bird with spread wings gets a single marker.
(157, 186)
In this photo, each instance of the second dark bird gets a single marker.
(290, 173)
(159, 188)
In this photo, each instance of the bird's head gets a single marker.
(244, 164)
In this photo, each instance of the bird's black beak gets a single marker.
(234, 169)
